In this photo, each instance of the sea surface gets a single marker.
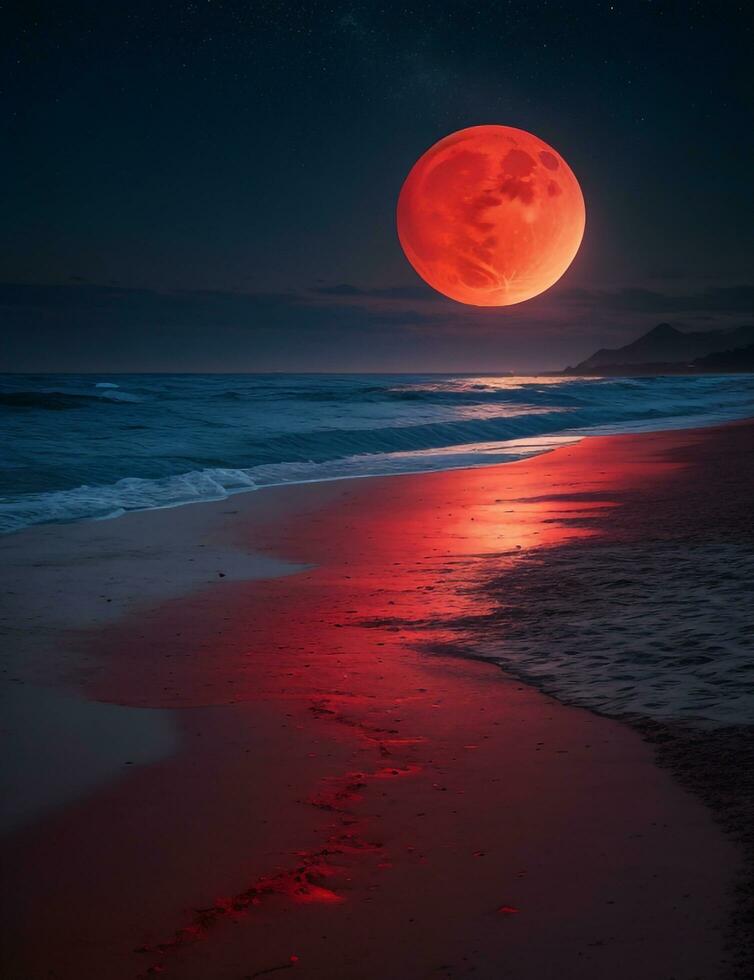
(81, 446)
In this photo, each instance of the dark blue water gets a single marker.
(79, 446)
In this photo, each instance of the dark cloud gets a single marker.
(342, 289)
(81, 327)
(714, 299)
(419, 293)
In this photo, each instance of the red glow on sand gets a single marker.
(330, 654)
(491, 216)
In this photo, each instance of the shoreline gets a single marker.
(557, 440)
(706, 741)
(333, 563)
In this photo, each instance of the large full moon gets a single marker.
(491, 216)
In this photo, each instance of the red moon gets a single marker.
(491, 216)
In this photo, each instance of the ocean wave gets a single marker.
(181, 438)
(61, 400)
(217, 483)
(125, 495)
(325, 444)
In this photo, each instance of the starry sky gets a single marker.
(211, 186)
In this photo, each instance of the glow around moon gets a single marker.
(491, 216)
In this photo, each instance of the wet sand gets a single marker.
(342, 801)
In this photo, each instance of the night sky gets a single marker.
(211, 186)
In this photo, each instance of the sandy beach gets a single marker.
(260, 735)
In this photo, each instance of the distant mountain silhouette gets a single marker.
(665, 349)
(740, 359)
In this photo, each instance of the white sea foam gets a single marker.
(132, 494)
